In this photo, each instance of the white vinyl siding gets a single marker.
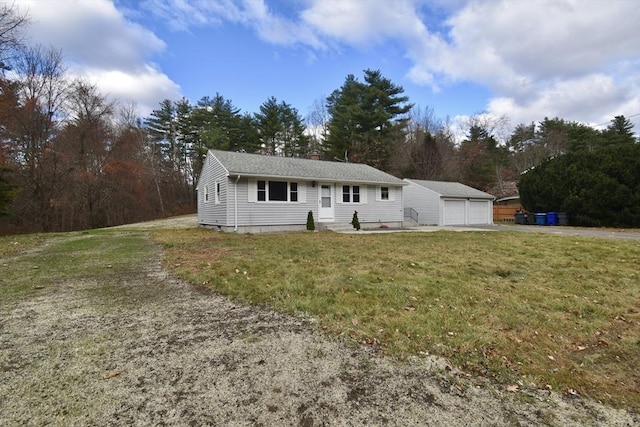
(213, 190)
(253, 213)
(386, 193)
(237, 204)
(434, 208)
(425, 202)
(371, 210)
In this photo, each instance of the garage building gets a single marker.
(446, 203)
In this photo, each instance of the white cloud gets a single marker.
(568, 58)
(93, 32)
(537, 40)
(360, 22)
(277, 29)
(573, 59)
(182, 15)
(103, 47)
(146, 88)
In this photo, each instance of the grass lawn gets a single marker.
(533, 310)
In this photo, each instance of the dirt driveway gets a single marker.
(133, 346)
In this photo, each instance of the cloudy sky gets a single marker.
(526, 59)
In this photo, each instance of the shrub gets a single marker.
(597, 188)
(355, 222)
(310, 224)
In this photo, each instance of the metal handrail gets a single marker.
(411, 213)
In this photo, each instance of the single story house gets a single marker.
(446, 203)
(258, 193)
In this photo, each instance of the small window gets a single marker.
(205, 196)
(277, 191)
(346, 194)
(262, 191)
(293, 192)
(217, 195)
(384, 193)
(356, 194)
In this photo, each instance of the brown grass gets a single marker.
(556, 312)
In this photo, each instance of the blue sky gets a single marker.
(523, 59)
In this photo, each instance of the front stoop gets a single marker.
(336, 227)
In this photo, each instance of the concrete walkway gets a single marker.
(188, 221)
(605, 233)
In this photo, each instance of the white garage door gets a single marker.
(478, 212)
(454, 212)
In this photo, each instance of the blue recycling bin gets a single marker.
(552, 218)
(541, 219)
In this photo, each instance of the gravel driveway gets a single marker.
(161, 352)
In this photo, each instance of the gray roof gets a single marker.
(451, 189)
(258, 165)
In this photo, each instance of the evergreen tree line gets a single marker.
(71, 159)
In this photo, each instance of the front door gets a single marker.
(325, 203)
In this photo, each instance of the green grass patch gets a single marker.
(39, 263)
(12, 245)
(553, 311)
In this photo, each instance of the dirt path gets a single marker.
(137, 347)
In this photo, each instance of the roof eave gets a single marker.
(308, 178)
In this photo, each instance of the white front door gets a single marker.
(325, 203)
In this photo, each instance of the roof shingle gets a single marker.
(451, 189)
(259, 165)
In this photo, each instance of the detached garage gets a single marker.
(447, 203)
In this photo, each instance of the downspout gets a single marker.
(235, 203)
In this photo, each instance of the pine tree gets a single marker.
(281, 129)
(366, 119)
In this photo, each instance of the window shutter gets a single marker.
(252, 196)
(363, 194)
(302, 192)
(392, 194)
(338, 198)
(378, 193)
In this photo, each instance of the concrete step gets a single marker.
(408, 222)
(335, 226)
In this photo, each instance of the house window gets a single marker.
(205, 196)
(350, 194)
(262, 191)
(384, 193)
(277, 191)
(217, 194)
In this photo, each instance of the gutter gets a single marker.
(235, 203)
